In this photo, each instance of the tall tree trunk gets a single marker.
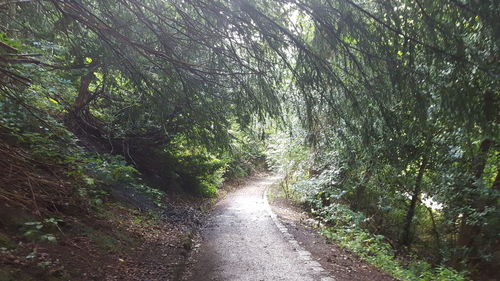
(406, 237)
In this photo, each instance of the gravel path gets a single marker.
(243, 240)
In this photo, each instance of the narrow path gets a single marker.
(244, 241)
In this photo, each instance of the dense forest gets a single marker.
(381, 115)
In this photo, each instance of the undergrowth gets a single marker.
(345, 228)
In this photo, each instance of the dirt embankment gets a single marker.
(54, 228)
(118, 242)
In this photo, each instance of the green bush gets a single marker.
(345, 227)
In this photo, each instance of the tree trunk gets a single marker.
(79, 118)
(84, 95)
(406, 237)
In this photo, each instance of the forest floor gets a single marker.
(247, 239)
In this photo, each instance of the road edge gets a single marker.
(303, 253)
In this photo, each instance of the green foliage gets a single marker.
(51, 142)
(156, 195)
(94, 195)
(201, 171)
(42, 230)
(245, 154)
(9, 41)
(344, 227)
(374, 250)
(329, 201)
(287, 155)
(112, 170)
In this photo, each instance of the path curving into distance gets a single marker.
(243, 240)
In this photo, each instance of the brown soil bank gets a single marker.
(53, 228)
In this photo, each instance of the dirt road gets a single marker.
(243, 240)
